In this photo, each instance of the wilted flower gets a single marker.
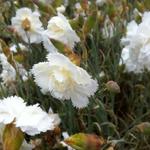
(136, 53)
(30, 119)
(64, 80)
(28, 25)
(59, 29)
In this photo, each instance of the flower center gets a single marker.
(26, 25)
(62, 80)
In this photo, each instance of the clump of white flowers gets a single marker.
(64, 80)
(28, 25)
(136, 53)
(30, 119)
(59, 29)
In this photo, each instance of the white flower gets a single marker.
(61, 9)
(34, 120)
(30, 119)
(64, 80)
(28, 25)
(10, 109)
(135, 54)
(59, 29)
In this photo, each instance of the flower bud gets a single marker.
(144, 128)
(112, 86)
(85, 141)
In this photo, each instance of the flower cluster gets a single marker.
(28, 25)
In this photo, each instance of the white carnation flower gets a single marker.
(135, 54)
(28, 25)
(10, 109)
(30, 119)
(34, 120)
(64, 80)
(59, 29)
